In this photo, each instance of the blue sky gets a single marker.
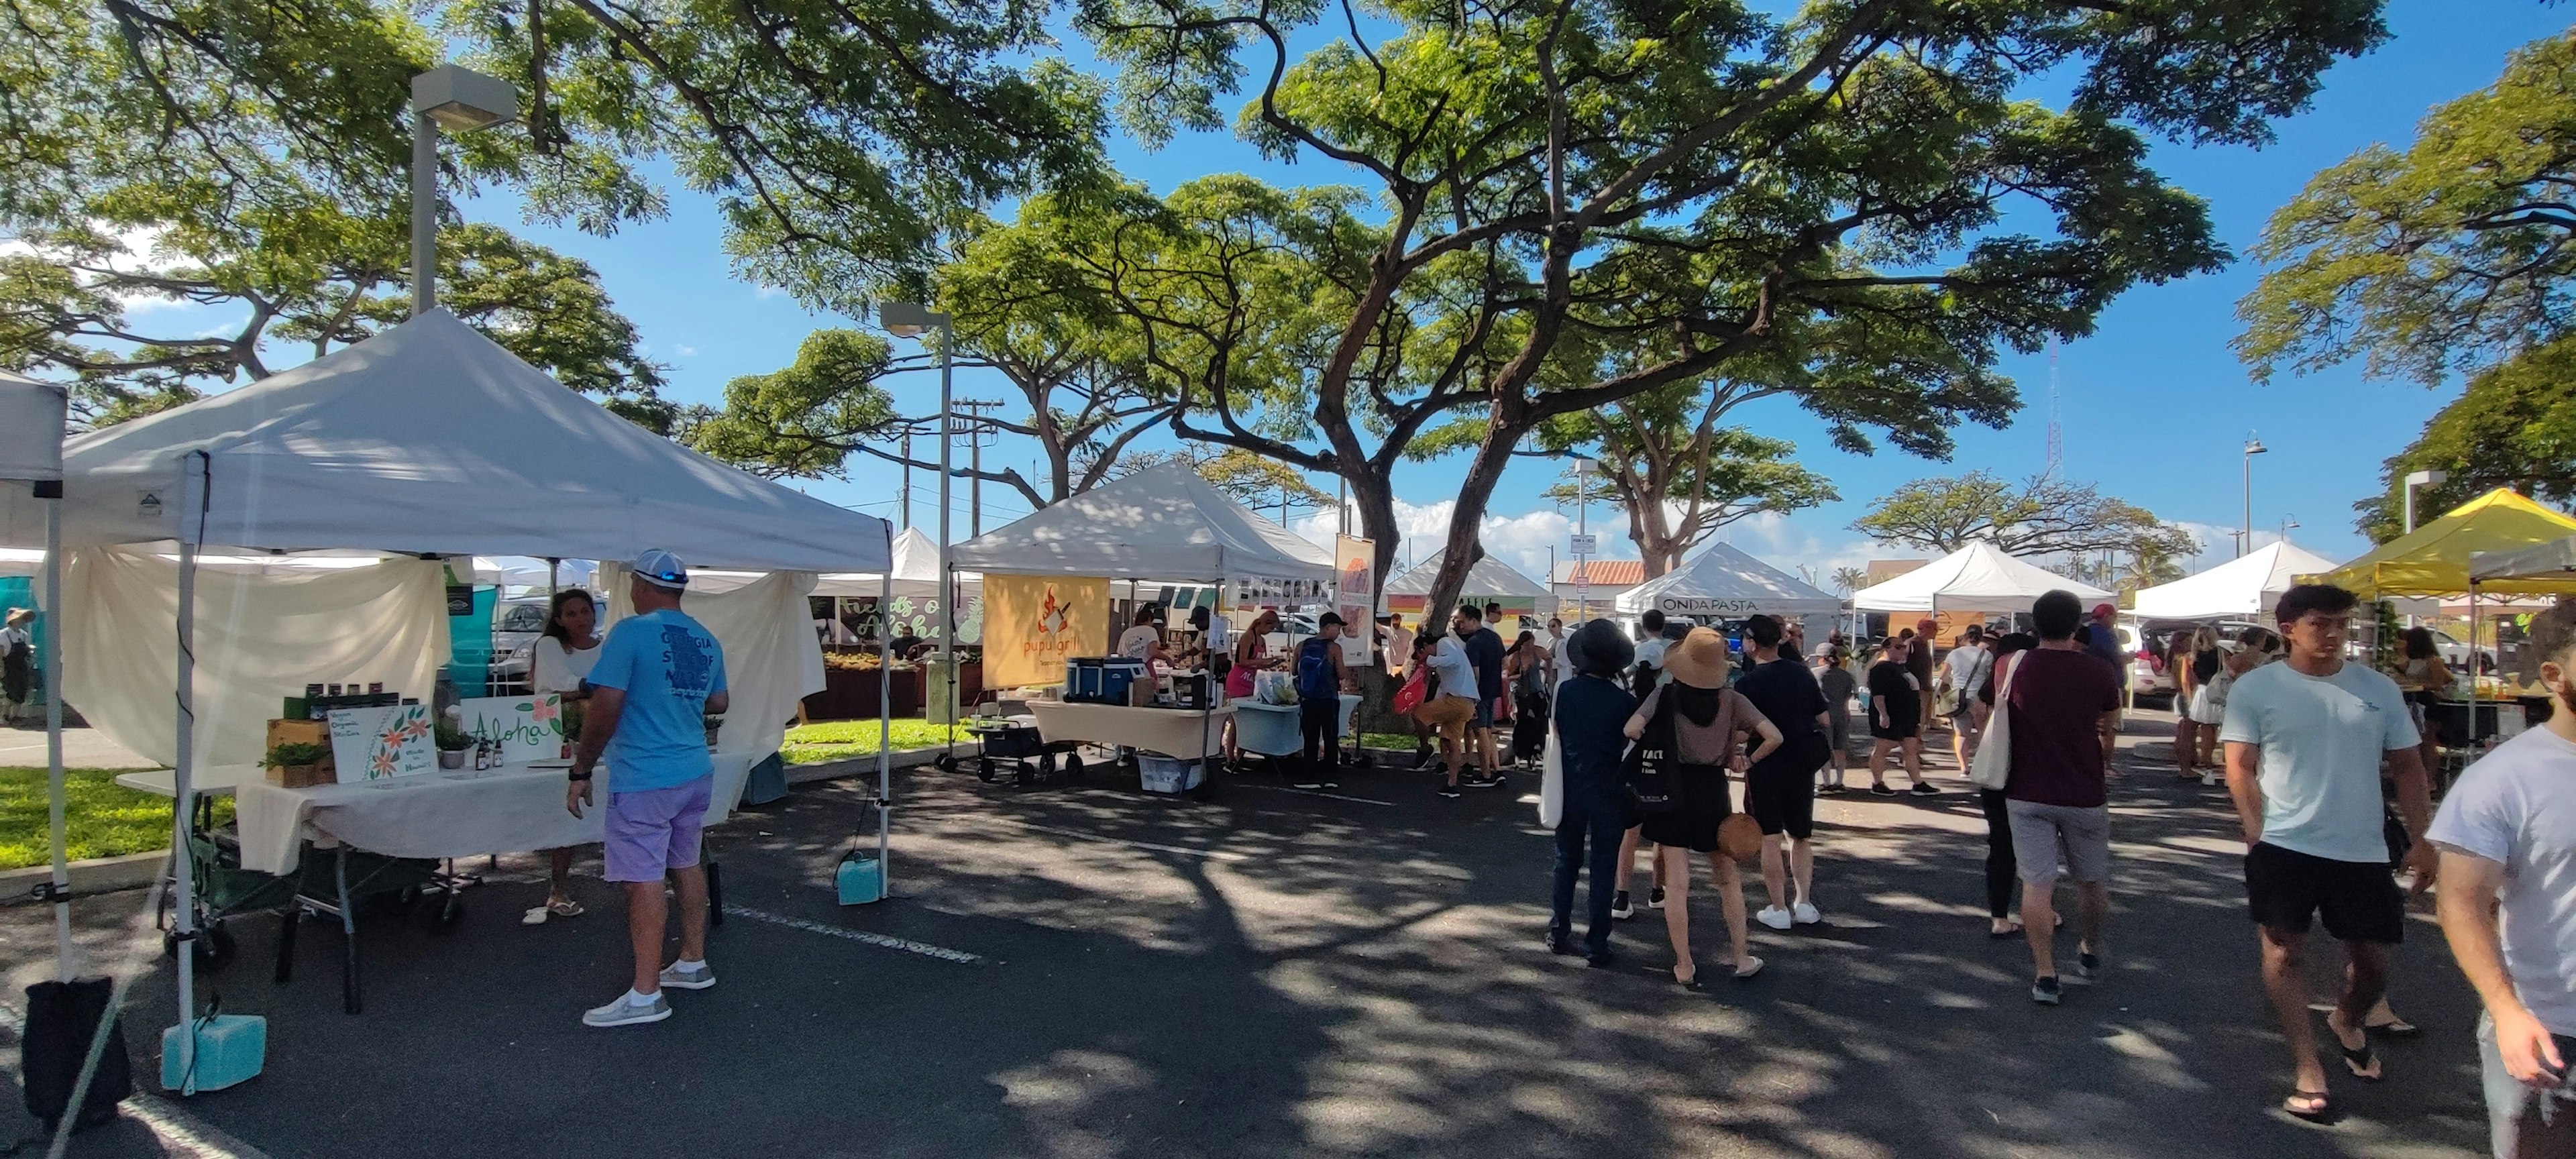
(2154, 407)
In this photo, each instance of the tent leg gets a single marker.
(183, 920)
(64, 967)
(885, 732)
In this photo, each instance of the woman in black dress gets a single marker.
(1699, 725)
(1895, 717)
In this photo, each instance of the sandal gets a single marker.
(2395, 1027)
(2310, 1105)
(566, 908)
(2000, 935)
(1692, 983)
(1746, 969)
(2360, 1060)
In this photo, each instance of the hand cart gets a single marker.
(1018, 749)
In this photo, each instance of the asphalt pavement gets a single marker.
(1088, 973)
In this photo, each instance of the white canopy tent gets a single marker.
(915, 572)
(33, 417)
(427, 440)
(1723, 581)
(1975, 578)
(1488, 578)
(1162, 523)
(2246, 586)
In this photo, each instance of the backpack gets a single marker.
(1315, 679)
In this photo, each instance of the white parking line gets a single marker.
(1313, 793)
(1210, 854)
(908, 946)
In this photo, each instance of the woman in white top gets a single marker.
(560, 663)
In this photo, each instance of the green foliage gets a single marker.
(2042, 516)
(1850, 579)
(100, 817)
(1255, 482)
(296, 753)
(2450, 254)
(1680, 476)
(1580, 201)
(808, 418)
(450, 738)
(809, 744)
(2515, 426)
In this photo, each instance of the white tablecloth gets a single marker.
(1273, 730)
(441, 814)
(1187, 734)
(218, 781)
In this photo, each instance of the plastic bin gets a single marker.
(1166, 775)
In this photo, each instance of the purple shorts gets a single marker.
(654, 831)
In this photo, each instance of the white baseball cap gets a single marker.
(661, 569)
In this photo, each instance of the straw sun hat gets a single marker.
(1699, 660)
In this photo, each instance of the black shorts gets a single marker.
(2285, 888)
(1781, 795)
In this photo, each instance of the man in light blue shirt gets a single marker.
(2305, 739)
(659, 674)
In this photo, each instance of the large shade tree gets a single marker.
(1678, 474)
(2454, 254)
(1828, 189)
(2039, 516)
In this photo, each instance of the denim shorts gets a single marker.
(654, 831)
(2517, 1113)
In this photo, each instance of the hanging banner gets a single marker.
(1355, 571)
(1032, 623)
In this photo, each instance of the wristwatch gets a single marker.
(577, 775)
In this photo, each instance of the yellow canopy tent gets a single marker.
(2433, 560)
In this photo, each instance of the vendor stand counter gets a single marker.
(1188, 734)
(388, 836)
(1272, 730)
(218, 781)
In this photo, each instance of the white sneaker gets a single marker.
(621, 1012)
(1774, 917)
(682, 976)
(1806, 914)
(2208, 780)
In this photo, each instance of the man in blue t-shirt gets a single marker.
(658, 676)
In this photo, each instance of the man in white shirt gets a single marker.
(2507, 836)
(2305, 739)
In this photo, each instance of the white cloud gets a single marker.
(685, 351)
(1522, 540)
(2218, 544)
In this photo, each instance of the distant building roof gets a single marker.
(1882, 570)
(1602, 573)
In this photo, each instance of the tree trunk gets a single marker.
(1374, 495)
(1465, 544)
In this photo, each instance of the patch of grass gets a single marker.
(1389, 740)
(100, 817)
(811, 744)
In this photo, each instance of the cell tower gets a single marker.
(2056, 439)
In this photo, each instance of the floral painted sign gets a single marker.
(526, 729)
(371, 744)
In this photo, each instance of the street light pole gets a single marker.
(912, 320)
(457, 100)
(2253, 447)
(2420, 479)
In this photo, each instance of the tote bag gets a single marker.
(1551, 784)
(1992, 765)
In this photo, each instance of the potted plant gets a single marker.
(297, 765)
(452, 742)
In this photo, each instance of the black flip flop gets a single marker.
(2363, 1064)
(2396, 1028)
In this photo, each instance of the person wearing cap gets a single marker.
(1919, 661)
(17, 663)
(1591, 710)
(1691, 731)
(1320, 678)
(658, 676)
(2102, 638)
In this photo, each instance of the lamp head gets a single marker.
(2427, 478)
(909, 319)
(459, 99)
(2255, 447)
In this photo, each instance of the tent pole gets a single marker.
(885, 730)
(54, 789)
(183, 870)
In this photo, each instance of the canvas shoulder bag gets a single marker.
(1992, 766)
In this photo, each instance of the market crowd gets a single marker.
(1650, 739)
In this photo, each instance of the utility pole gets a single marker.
(975, 409)
(903, 521)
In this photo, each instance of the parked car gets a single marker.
(2455, 652)
(516, 624)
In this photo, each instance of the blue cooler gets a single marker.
(231, 1048)
(1082, 679)
(1117, 673)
